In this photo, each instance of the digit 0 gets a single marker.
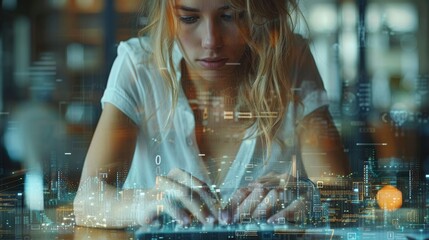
(267, 200)
(158, 160)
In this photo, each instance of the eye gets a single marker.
(227, 17)
(188, 19)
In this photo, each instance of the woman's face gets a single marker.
(210, 38)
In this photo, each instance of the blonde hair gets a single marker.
(266, 70)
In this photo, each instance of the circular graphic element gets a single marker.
(389, 198)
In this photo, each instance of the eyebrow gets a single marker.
(190, 9)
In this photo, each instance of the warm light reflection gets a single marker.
(389, 198)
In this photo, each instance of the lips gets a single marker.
(212, 63)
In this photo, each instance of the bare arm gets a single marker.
(321, 147)
(323, 158)
(98, 203)
(112, 146)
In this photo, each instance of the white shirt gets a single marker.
(136, 87)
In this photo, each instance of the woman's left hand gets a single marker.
(274, 198)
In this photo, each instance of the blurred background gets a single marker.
(55, 57)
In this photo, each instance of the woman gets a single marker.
(208, 115)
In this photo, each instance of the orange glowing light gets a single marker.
(389, 198)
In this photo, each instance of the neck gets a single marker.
(224, 83)
(205, 92)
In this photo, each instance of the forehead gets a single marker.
(203, 5)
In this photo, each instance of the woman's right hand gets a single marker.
(180, 195)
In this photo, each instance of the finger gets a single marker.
(268, 179)
(176, 192)
(248, 205)
(275, 180)
(197, 208)
(198, 186)
(146, 213)
(179, 215)
(235, 201)
(294, 213)
(239, 196)
(154, 204)
(188, 179)
(266, 207)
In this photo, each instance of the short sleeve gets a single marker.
(308, 84)
(123, 88)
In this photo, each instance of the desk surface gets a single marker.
(84, 233)
(344, 233)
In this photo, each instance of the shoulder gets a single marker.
(138, 49)
(303, 65)
(306, 78)
(299, 40)
(131, 77)
(299, 47)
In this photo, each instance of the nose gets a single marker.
(212, 38)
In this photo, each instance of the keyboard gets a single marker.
(241, 231)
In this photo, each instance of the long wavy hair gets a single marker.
(265, 87)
